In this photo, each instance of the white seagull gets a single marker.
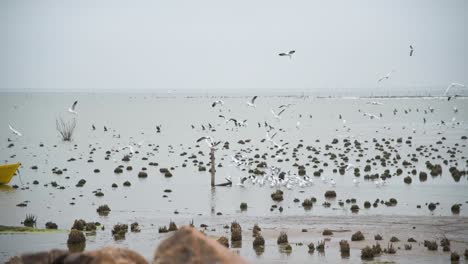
(209, 141)
(277, 116)
(289, 54)
(252, 102)
(298, 124)
(16, 132)
(386, 77)
(72, 108)
(453, 85)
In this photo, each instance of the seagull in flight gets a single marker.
(72, 108)
(289, 54)
(386, 77)
(268, 138)
(277, 116)
(209, 141)
(451, 86)
(251, 103)
(411, 50)
(220, 102)
(16, 132)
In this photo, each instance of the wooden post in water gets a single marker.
(212, 157)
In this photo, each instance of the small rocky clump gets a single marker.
(103, 210)
(327, 232)
(79, 224)
(394, 239)
(76, 237)
(344, 247)
(311, 247)
(330, 194)
(243, 206)
(455, 209)
(378, 237)
(321, 246)
(259, 241)
(172, 226)
(277, 196)
(282, 238)
(119, 231)
(307, 203)
(358, 236)
(454, 257)
(354, 208)
(134, 227)
(431, 245)
(51, 225)
(256, 230)
(367, 253)
(223, 241)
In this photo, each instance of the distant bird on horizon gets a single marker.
(16, 132)
(72, 108)
(105, 129)
(386, 77)
(251, 103)
(411, 50)
(289, 54)
(93, 127)
(220, 102)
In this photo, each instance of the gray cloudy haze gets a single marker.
(231, 45)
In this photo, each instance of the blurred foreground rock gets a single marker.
(187, 245)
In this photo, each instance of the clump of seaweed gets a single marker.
(321, 246)
(311, 247)
(103, 210)
(376, 249)
(172, 226)
(358, 236)
(259, 241)
(163, 229)
(431, 245)
(390, 249)
(243, 206)
(445, 244)
(79, 224)
(236, 234)
(65, 128)
(76, 237)
(90, 227)
(367, 253)
(307, 203)
(330, 194)
(119, 231)
(277, 196)
(282, 238)
(134, 227)
(30, 220)
(454, 257)
(256, 230)
(344, 248)
(455, 209)
(223, 241)
(354, 208)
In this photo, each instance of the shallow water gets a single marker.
(134, 118)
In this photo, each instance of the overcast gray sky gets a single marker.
(226, 45)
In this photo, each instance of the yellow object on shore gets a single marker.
(7, 172)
